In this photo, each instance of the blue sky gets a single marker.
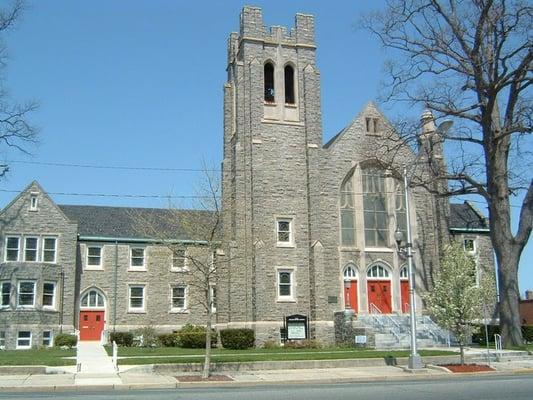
(139, 84)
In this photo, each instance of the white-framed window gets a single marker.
(178, 295)
(48, 339)
(24, 340)
(34, 201)
(12, 248)
(469, 245)
(137, 260)
(31, 246)
(179, 260)
(49, 249)
(350, 273)
(285, 284)
(136, 298)
(26, 294)
(404, 273)
(49, 294)
(5, 289)
(94, 257)
(92, 299)
(2, 340)
(284, 232)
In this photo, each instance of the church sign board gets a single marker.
(296, 326)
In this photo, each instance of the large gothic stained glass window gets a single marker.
(375, 208)
(399, 203)
(347, 212)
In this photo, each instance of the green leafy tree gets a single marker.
(456, 302)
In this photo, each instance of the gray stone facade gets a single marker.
(276, 167)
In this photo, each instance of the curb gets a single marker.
(189, 385)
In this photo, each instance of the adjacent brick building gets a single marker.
(308, 228)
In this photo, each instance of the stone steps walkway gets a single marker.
(95, 366)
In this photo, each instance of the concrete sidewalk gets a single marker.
(132, 380)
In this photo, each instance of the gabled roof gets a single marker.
(138, 223)
(465, 217)
(370, 109)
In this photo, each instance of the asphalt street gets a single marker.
(458, 388)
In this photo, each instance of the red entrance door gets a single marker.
(404, 289)
(91, 325)
(350, 295)
(379, 295)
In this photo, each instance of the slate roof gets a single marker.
(138, 223)
(466, 217)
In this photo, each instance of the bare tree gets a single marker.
(472, 61)
(176, 228)
(15, 130)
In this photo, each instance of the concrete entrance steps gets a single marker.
(504, 355)
(96, 367)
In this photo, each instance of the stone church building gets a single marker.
(308, 227)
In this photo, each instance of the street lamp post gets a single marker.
(415, 362)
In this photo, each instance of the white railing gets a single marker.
(115, 355)
(104, 337)
(374, 309)
(498, 345)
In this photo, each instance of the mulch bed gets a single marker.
(458, 368)
(198, 378)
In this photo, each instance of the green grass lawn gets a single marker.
(50, 357)
(170, 355)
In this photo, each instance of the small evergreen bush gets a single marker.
(527, 333)
(237, 339)
(147, 335)
(193, 337)
(168, 339)
(65, 339)
(124, 339)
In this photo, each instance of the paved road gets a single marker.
(457, 388)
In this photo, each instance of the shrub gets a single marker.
(237, 339)
(124, 339)
(479, 334)
(193, 337)
(65, 339)
(527, 333)
(169, 339)
(271, 344)
(147, 335)
(303, 344)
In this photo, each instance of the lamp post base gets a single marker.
(415, 362)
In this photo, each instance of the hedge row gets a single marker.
(190, 336)
(65, 340)
(479, 336)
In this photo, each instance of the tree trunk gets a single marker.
(207, 360)
(509, 300)
(462, 353)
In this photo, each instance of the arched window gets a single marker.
(92, 299)
(350, 273)
(404, 273)
(289, 85)
(269, 82)
(377, 271)
(375, 208)
(347, 212)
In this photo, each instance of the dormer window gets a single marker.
(289, 85)
(34, 201)
(269, 83)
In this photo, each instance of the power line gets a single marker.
(116, 167)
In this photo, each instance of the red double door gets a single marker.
(350, 295)
(379, 294)
(404, 290)
(91, 325)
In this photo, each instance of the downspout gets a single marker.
(61, 307)
(115, 288)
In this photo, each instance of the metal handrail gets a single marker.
(498, 344)
(374, 309)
